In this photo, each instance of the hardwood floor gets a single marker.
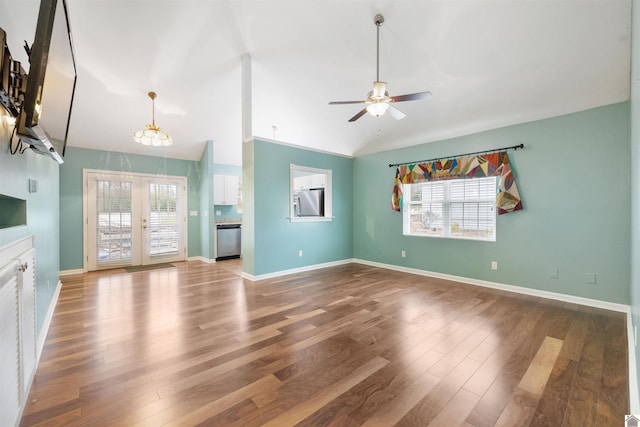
(344, 346)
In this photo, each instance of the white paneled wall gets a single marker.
(27, 305)
(9, 345)
(18, 356)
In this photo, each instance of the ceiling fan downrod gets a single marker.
(378, 20)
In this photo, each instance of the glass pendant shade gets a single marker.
(377, 108)
(152, 135)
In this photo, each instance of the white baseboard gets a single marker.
(44, 330)
(634, 392)
(201, 258)
(295, 270)
(504, 287)
(71, 272)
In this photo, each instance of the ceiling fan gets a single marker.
(378, 101)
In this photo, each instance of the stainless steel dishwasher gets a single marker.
(228, 237)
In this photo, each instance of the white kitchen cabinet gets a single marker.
(225, 190)
(308, 181)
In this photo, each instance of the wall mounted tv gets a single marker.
(43, 122)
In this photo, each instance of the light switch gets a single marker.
(33, 186)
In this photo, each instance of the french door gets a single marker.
(133, 219)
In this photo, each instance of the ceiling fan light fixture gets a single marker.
(378, 99)
(152, 135)
(377, 108)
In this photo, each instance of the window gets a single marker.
(458, 208)
(310, 191)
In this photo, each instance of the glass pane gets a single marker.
(456, 212)
(427, 220)
(415, 208)
(414, 190)
(113, 206)
(163, 219)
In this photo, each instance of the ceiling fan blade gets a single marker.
(412, 96)
(360, 114)
(395, 113)
(346, 102)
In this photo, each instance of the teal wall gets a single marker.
(228, 211)
(248, 208)
(635, 181)
(77, 159)
(574, 179)
(42, 213)
(206, 197)
(277, 240)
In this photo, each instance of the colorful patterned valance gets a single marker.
(493, 164)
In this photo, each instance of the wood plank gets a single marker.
(428, 408)
(523, 403)
(519, 411)
(303, 410)
(208, 410)
(457, 410)
(536, 376)
(393, 412)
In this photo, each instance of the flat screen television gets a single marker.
(44, 118)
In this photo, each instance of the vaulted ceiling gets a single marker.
(488, 64)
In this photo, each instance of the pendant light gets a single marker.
(152, 135)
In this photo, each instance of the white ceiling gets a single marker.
(488, 64)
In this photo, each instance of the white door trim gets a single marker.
(85, 206)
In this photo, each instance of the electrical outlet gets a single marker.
(404, 254)
(300, 253)
(554, 273)
(591, 278)
(218, 213)
(494, 265)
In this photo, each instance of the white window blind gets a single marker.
(163, 219)
(113, 206)
(459, 208)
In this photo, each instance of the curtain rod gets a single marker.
(513, 147)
